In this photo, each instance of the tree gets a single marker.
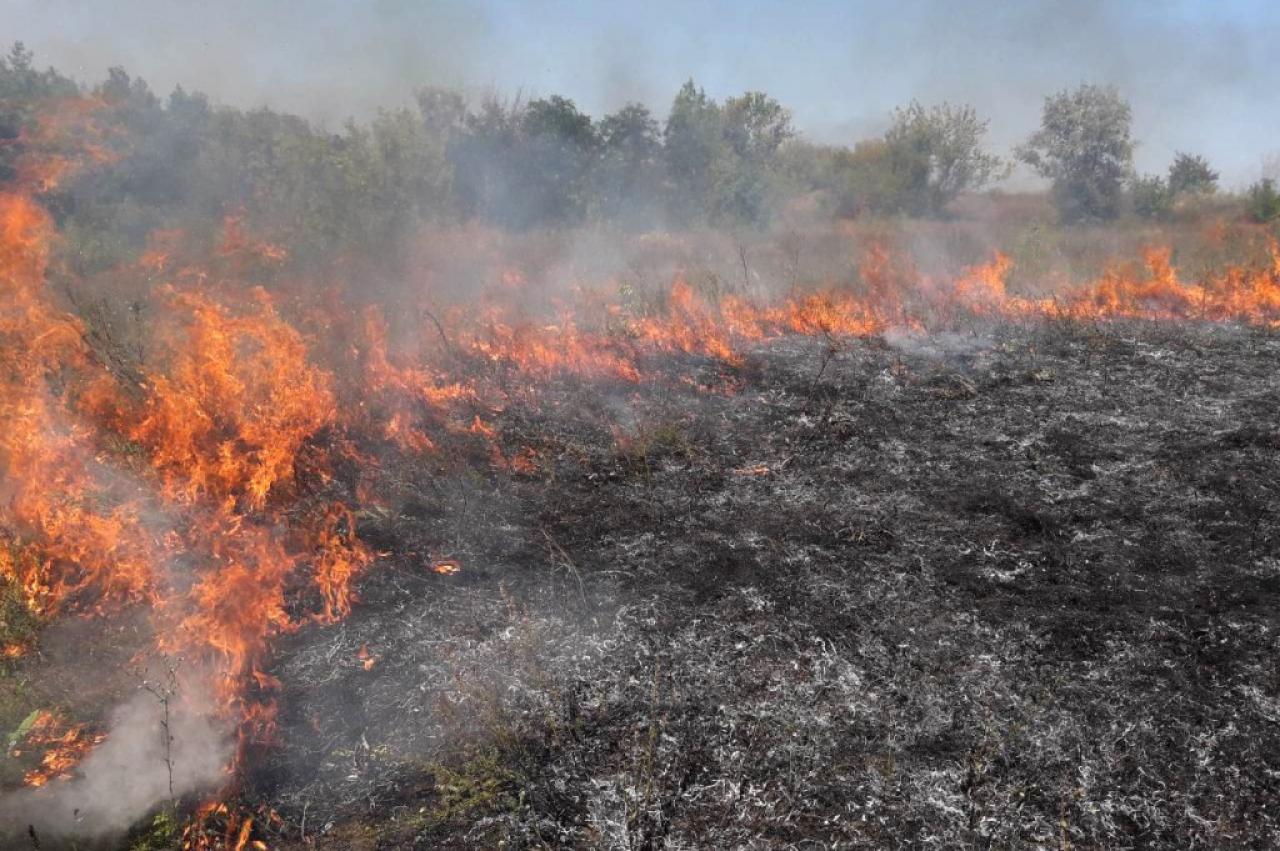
(866, 180)
(443, 111)
(626, 178)
(692, 140)
(937, 153)
(409, 173)
(755, 125)
(482, 156)
(557, 146)
(745, 170)
(1084, 146)
(22, 90)
(1191, 175)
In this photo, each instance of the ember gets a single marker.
(446, 567)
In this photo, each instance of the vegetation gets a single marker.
(1084, 146)
(22, 88)
(652, 734)
(1152, 197)
(1191, 175)
(1264, 201)
(19, 625)
(937, 154)
(181, 161)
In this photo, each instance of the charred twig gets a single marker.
(444, 337)
(103, 346)
(556, 550)
(164, 692)
(830, 349)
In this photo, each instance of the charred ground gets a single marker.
(999, 589)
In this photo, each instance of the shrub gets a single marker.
(1264, 201)
(1152, 197)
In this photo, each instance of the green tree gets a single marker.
(1191, 175)
(22, 91)
(867, 181)
(626, 179)
(1084, 146)
(692, 140)
(558, 146)
(483, 157)
(755, 126)
(746, 172)
(443, 111)
(936, 153)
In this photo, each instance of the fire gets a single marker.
(446, 567)
(228, 412)
(228, 402)
(63, 745)
(63, 138)
(207, 486)
(217, 827)
(691, 325)
(55, 490)
(366, 659)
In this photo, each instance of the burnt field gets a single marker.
(1016, 589)
(419, 432)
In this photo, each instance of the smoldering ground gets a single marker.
(923, 595)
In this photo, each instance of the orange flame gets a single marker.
(446, 566)
(64, 745)
(219, 512)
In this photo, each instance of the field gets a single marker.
(1010, 589)
(867, 533)
(1016, 587)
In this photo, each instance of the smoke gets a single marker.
(937, 345)
(326, 60)
(1195, 73)
(132, 772)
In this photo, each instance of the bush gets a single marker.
(1152, 198)
(865, 181)
(1264, 201)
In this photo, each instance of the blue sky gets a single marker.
(1202, 76)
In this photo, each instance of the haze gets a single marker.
(1194, 72)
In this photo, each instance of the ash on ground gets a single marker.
(1020, 593)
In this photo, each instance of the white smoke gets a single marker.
(131, 773)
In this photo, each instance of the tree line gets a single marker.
(542, 162)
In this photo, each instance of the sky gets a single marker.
(1202, 76)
